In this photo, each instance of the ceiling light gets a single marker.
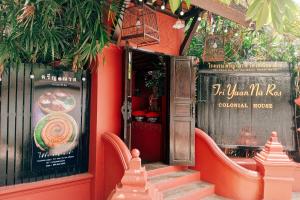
(179, 24)
(138, 22)
(163, 7)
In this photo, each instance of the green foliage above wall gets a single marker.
(70, 32)
(282, 15)
(246, 44)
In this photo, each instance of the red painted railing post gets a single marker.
(134, 185)
(277, 170)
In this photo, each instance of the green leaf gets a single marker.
(227, 2)
(188, 3)
(290, 3)
(276, 15)
(253, 10)
(264, 15)
(174, 5)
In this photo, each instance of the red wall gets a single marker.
(105, 111)
(76, 187)
(296, 186)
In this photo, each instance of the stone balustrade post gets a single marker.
(134, 184)
(276, 169)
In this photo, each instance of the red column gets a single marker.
(277, 170)
(105, 114)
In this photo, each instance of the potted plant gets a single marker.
(138, 115)
(152, 117)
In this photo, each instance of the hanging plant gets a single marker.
(72, 32)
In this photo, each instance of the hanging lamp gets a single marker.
(179, 24)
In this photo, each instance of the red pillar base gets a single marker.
(277, 170)
(134, 185)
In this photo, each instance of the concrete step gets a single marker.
(214, 197)
(296, 196)
(172, 179)
(193, 190)
(179, 183)
(155, 169)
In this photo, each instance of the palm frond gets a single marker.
(45, 31)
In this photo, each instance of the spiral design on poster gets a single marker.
(57, 131)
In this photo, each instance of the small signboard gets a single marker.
(56, 119)
(247, 66)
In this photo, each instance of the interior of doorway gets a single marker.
(150, 105)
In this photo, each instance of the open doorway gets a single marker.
(158, 108)
(149, 103)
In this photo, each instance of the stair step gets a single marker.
(169, 180)
(214, 197)
(154, 169)
(193, 190)
(296, 196)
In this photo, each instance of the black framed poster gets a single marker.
(56, 119)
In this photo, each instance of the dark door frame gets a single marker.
(127, 116)
(126, 131)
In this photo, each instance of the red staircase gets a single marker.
(179, 183)
(229, 179)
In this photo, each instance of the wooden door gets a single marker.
(127, 108)
(182, 111)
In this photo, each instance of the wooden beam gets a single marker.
(223, 10)
(190, 33)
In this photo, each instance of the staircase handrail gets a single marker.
(227, 161)
(120, 147)
(230, 179)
